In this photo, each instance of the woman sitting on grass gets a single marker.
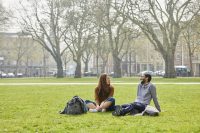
(104, 100)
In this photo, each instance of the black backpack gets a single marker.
(75, 106)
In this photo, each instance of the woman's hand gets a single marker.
(98, 108)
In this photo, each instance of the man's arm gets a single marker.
(154, 96)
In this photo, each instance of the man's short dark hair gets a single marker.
(148, 76)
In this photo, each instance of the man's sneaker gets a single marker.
(93, 110)
(117, 111)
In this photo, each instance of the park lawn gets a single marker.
(95, 80)
(35, 109)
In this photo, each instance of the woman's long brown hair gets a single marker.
(103, 87)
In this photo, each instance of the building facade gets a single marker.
(19, 53)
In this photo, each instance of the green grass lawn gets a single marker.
(35, 108)
(94, 80)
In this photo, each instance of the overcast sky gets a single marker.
(14, 5)
(9, 3)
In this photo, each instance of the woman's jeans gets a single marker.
(110, 99)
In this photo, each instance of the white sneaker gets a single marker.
(93, 110)
(103, 110)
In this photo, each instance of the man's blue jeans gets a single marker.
(128, 108)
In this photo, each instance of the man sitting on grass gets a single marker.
(146, 91)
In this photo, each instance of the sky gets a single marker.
(14, 5)
(10, 5)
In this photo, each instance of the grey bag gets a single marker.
(75, 106)
(150, 111)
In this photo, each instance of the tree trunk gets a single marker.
(169, 65)
(117, 67)
(127, 65)
(59, 69)
(97, 56)
(65, 63)
(130, 63)
(191, 67)
(26, 70)
(190, 60)
(78, 68)
(17, 66)
(86, 65)
(103, 68)
(16, 69)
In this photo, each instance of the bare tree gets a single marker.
(3, 15)
(115, 24)
(87, 54)
(104, 51)
(191, 37)
(22, 46)
(98, 15)
(161, 25)
(131, 57)
(44, 21)
(66, 57)
(35, 54)
(80, 31)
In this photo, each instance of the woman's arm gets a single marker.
(96, 96)
(111, 93)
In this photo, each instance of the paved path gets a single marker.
(171, 83)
